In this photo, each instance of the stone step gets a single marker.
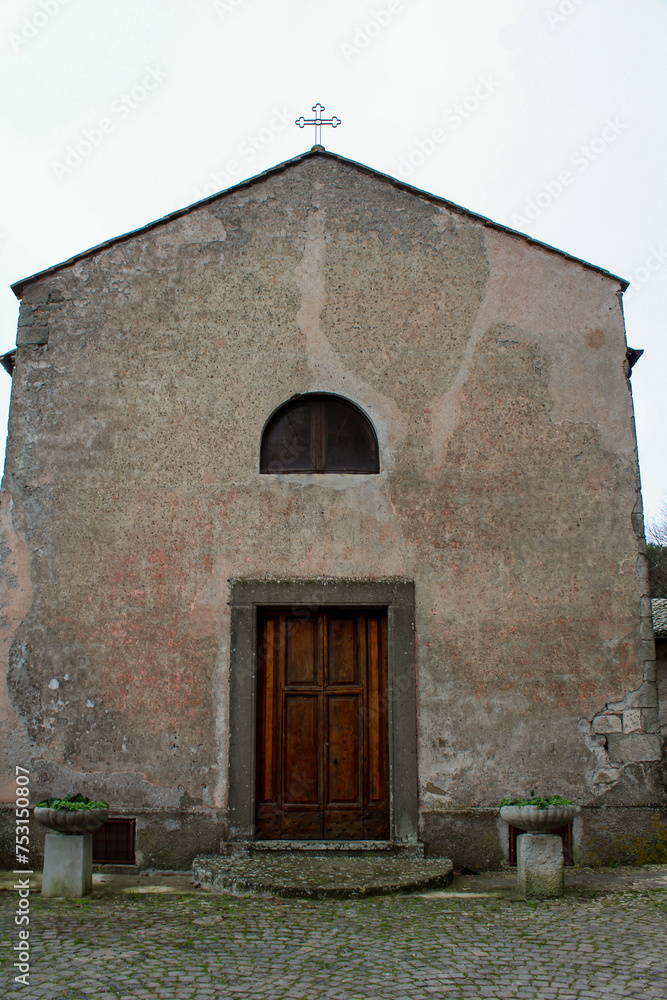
(324, 847)
(321, 874)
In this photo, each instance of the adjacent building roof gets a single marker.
(659, 609)
(8, 361)
(19, 286)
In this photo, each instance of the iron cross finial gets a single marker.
(318, 121)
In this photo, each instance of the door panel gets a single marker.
(342, 752)
(302, 750)
(268, 719)
(322, 735)
(376, 813)
(342, 651)
(376, 713)
(301, 661)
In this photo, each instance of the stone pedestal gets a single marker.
(68, 865)
(539, 869)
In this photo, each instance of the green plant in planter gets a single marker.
(72, 803)
(536, 800)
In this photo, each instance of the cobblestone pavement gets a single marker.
(610, 945)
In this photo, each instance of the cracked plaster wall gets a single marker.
(493, 373)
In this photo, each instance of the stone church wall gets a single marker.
(492, 370)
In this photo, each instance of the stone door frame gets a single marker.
(398, 597)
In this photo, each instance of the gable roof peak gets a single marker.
(315, 151)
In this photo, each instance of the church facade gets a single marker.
(322, 520)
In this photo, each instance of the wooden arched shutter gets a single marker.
(319, 432)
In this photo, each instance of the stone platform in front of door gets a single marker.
(321, 869)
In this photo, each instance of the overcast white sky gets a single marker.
(195, 95)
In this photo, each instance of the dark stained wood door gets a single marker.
(322, 740)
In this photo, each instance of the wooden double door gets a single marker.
(322, 726)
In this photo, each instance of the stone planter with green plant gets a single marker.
(537, 814)
(72, 814)
(68, 848)
(539, 852)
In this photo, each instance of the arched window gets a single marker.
(319, 433)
